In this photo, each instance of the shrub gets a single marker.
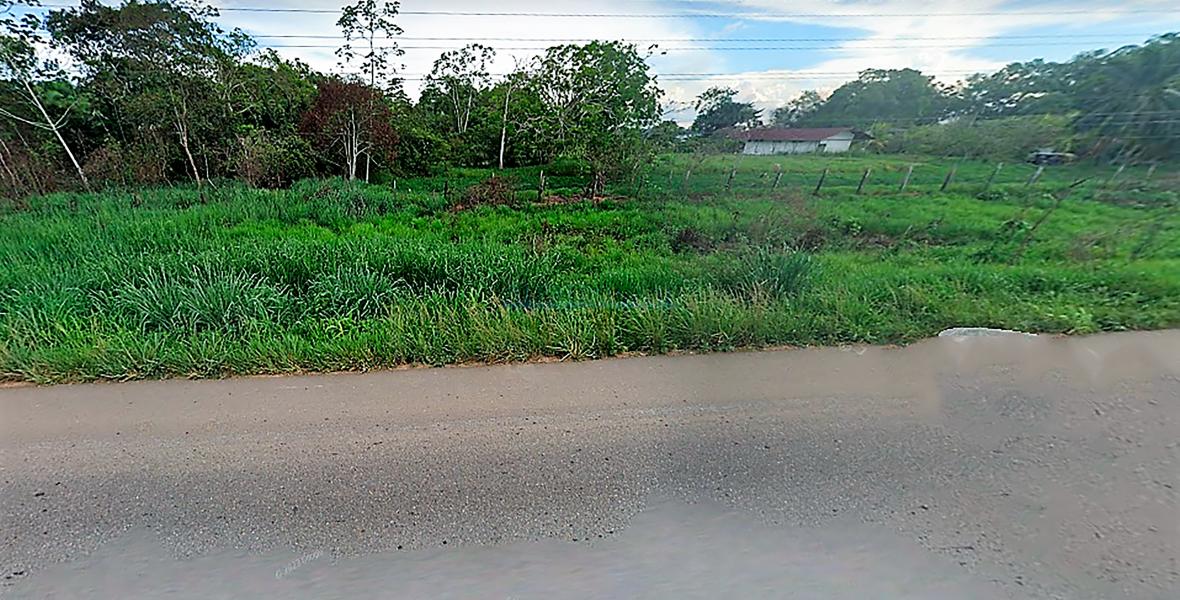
(1008, 138)
(137, 164)
(567, 166)
(691, 240)
(272, 160)
(493, 191)
(763, 273)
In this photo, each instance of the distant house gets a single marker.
(784, 140)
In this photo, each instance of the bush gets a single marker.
(135, 165)
(420, 151)
(272, 160)
(1009, 138)
(567, 166)
(691, 240)
(493, 191)
(763, 273)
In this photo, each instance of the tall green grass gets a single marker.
(330, 275)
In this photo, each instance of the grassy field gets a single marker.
(335, 276)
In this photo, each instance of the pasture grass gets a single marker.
(331, 275)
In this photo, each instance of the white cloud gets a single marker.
(420, 61)
(886, 43)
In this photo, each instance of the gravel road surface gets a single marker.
(954, 468)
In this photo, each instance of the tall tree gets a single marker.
(351, 119)
(460, 76)
(797, 109)
(19, 61)
(362, 24)
(717, 109)
(597, 100)
(902, 95)
(153, 70)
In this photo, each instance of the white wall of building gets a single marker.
(840, 142)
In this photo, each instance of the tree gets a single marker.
(19, 61)
(363, 22)
(352, 119)
(903, 95)
(596, 101)
(459, 76)
(157, 71)
(665, 136)
(1126, 97)
(797, 108)
(717, 110)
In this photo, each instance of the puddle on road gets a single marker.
(671, 550)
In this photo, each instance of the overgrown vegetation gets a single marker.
(334, 275)
(179, 203)
(140, 92)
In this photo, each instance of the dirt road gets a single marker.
(1023, 468)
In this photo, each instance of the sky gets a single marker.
(769, 50)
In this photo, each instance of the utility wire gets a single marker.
(687, 14)
(703, 39)
(710, 48)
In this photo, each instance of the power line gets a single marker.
(710, 48)
(686, 14)
(697, 39)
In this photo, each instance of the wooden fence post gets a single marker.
(1032, 179)
(778, 176)
(684, 183)
(950, 176)
(863, 178)
(395, 186)
(991, 178)
(729, 180)
(905, 181)
(822, 177)
(541, 187)
(1117, 172)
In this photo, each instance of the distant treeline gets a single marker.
(150, 93)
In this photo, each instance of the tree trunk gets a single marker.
(597, 183)
(182, 132)
(57, 132)
(351, 146)
(504, 125)
(4, 160)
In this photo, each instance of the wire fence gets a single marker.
(878, 177)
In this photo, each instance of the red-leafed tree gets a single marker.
(351, 120)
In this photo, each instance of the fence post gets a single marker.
(820, 185)
(729, 180)
(1117, 172)
(1032, 179)
(950, 176)
(863, 178)
(991, 178)
(687, 174)
(541, 187)
(905, 181)
(395, 186)
(1150, 172)
(778, 175)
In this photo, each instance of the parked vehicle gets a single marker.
(1048, 156)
